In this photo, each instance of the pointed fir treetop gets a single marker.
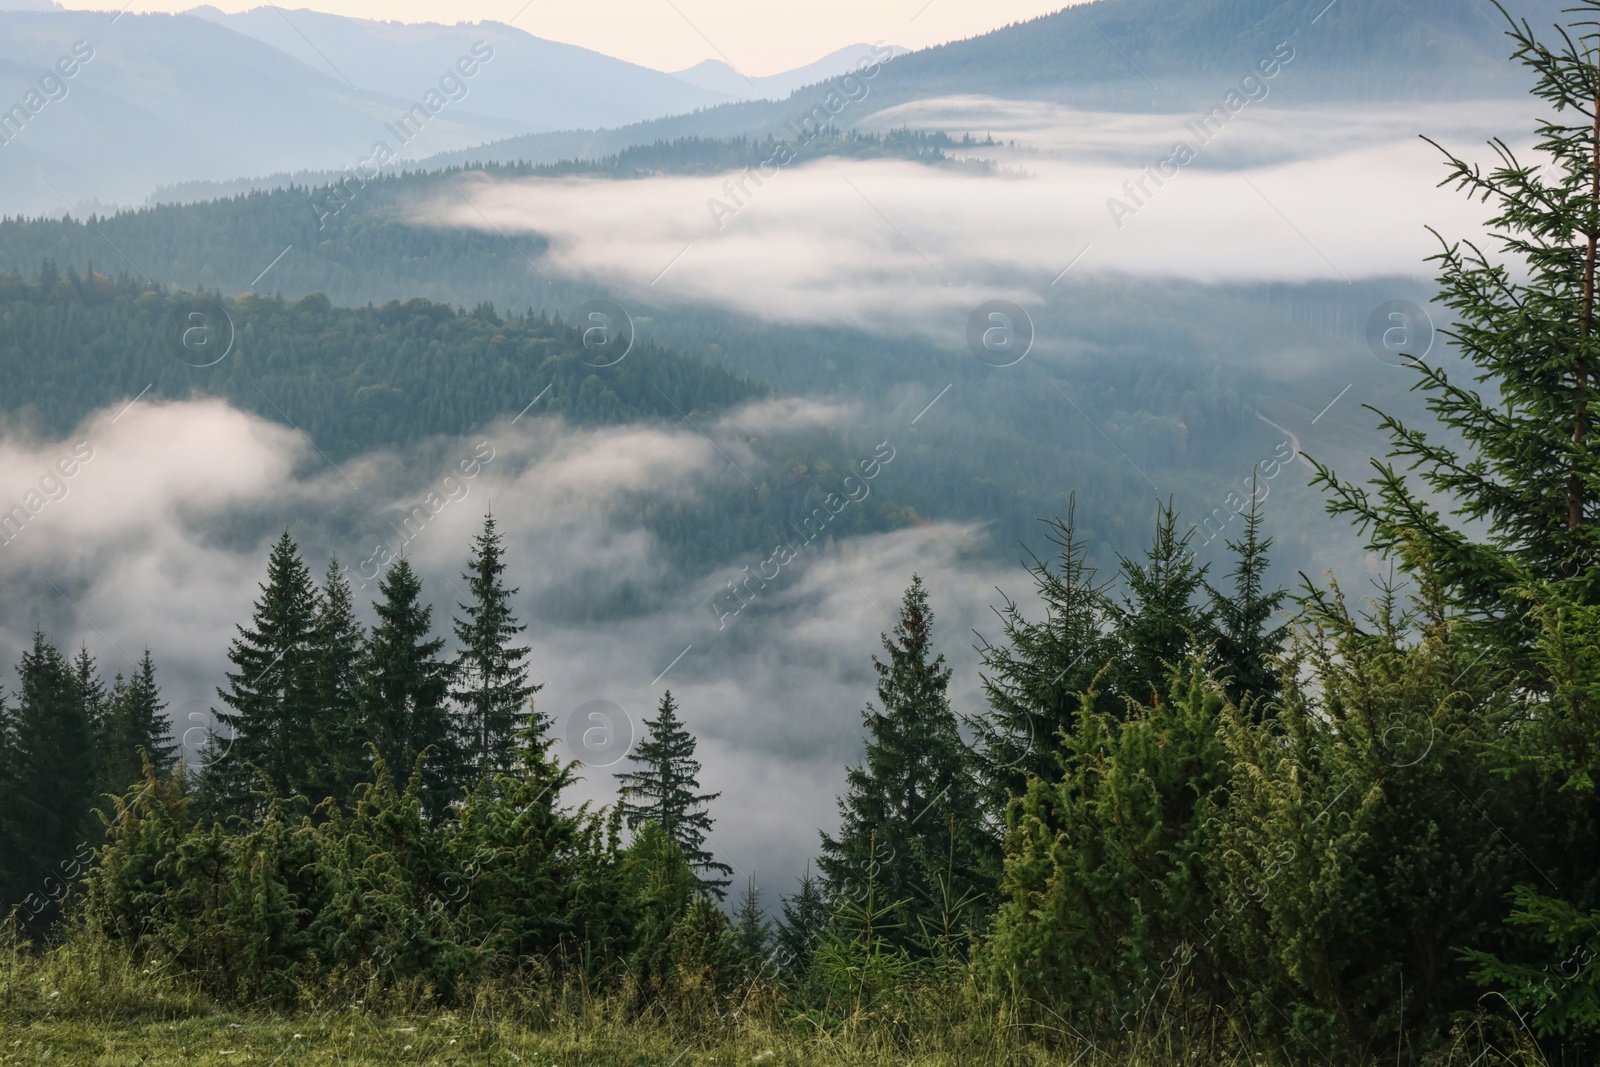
(134, 720)
(91, 690)
(404, 689)
(665, 791)
(804, 919)
(1033, 680)
(269, 702)
(491, 682)
(1245, 643)
(752, 932)
(1160, 621)
(340, 760)
(910, 811)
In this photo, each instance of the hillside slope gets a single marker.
(1136, 55)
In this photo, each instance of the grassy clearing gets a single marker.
(86, 1001)
(346, 1038)
(353, 1036)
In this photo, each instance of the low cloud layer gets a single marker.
(160, 537)
(896, 246)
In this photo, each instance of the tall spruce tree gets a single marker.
(664, 791)
(1518, 500)
(271, 697)
(48, 786)
(404, 689)
(134, 721)
(142, 714)
(1034, 679)
(1245, 643)
(910, 821)
(92, 692)
(337, 646)
(11, 874)
(803, 920)
(752, 932)
(100, 711)
(491, 677)
(1161, 620)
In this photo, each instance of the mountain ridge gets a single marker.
(716, 75)
(1133, 55)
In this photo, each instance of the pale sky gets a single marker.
(756, 36)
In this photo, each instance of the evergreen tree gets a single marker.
(1499, 514)
(1159, 623)
(48, 276)
(9, 813)
(99, 710)
(92, 692)
(1522, 489)
(50, 769)
(147, 726)
(340, 760)
(1034, 681)
(910, 818)
(525, 854)
(752, 933)
(663, 791)
(1107, 910)
(403, 691)
(134, 720)
(803, 921)
(1245, 643)
(678, 934)
(270, 696)
(491, 675)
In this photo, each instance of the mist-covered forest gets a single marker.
(445, 622)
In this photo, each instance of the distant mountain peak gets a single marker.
(716, 76)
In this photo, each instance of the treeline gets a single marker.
(707, 155)
(371, 804)
(351, 236)
(678, 155)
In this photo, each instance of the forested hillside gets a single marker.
(357, 380)
(1168, 370)
(350, 242)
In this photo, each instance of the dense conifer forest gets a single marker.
(359, 379)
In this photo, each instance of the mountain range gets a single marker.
(1138, 55)
(208, 97)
